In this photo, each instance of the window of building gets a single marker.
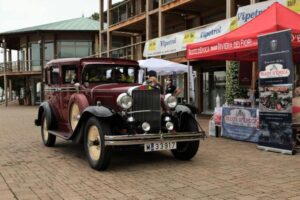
(35, 56)
(49, 51)
(74, 49)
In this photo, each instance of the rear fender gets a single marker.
(100, 112)
(45, 108)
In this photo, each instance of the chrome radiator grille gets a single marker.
(146, 108)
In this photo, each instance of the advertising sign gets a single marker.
(276, 75)
(177, 42)
(275, 59)
(240, 124)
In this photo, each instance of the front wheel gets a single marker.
(97, 153)
(187, 150)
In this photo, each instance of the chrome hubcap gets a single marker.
(45, 130)
(74, 116)
(94, 143)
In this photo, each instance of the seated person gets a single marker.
(116, 75)
(95, 75)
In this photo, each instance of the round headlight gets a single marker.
(169, 126)
(146, 126)
(170, 101)
(124, 101)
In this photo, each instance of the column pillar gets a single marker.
(230, 8)
(5, 68)
(161, 21)
(108, 34)
(10, 89)
(101, 21)
(148, 21)
(9, 60)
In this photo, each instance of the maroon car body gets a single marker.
(98, 101)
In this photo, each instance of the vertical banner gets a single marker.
(276, 75)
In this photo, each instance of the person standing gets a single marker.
(171, 88)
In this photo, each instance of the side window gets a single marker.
(54, 76)
(69, 74)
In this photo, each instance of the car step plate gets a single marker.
(159, 146)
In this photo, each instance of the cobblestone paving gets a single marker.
(222, 169)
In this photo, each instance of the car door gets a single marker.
(69, 78)
(53, 91)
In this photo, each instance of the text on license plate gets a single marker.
(159, 146)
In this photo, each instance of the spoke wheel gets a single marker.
(97, 153)
(74, 115)
(94, 143)
(48, 139)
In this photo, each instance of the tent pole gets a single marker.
(188, 82)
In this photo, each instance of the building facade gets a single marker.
(36, 46)
(125, 28)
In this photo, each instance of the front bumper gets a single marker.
(121, 140)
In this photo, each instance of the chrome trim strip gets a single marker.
(142, 111)
(116, 140)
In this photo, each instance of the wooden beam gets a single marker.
(174, 4)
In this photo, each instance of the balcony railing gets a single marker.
(123, 11)
(167, 1)
(20, 67)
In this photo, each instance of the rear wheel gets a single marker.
(187, 150)
(48, 139)
(74, 115)
(97, 153)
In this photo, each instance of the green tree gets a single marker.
(232, 82)
(95, 16)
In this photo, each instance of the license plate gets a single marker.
(159, 146)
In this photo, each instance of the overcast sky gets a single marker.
(16, 14)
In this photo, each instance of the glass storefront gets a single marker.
(49, 51)
(35, 57)
(214, 81)
(74, 49)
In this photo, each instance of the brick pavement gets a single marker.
(222, 169)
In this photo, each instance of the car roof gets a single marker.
(94, 61)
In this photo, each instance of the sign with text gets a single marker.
(240, 123)
(276, 75)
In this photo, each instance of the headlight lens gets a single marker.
(170, 101)
(124, 101)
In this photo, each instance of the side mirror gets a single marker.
(77, 86)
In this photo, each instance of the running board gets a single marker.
(60, 134)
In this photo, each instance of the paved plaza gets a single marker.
(222, 169)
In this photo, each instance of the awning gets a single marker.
(241, 44)
(163, 67)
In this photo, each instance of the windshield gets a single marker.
(105, 73)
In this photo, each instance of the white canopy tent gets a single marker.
(165, 67)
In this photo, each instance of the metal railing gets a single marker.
(122, 12)
(167, 1)
(126, 52)
(20, 66)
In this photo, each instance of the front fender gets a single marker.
(183, 112)
(97, 111)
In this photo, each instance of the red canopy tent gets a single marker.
(241, 44)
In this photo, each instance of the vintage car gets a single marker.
(97, 101)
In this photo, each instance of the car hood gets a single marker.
(113, 87)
